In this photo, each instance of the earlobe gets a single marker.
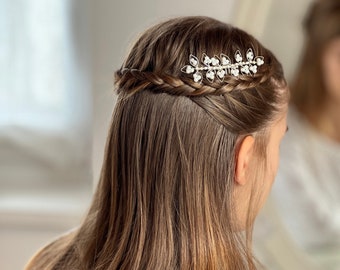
(244, 156)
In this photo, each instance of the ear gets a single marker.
(244, 156)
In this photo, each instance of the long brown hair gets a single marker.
(164, 199)
(321, 25)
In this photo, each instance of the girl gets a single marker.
(191, 154)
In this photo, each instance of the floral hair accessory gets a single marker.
(221, 66)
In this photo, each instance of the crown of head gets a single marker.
(222, 66)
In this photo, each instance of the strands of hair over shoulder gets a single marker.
(165, 195)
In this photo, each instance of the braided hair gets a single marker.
(165, 195)
(154, 64)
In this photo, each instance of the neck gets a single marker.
(327, 120)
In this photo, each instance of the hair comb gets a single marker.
(222, 66)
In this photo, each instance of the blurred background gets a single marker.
(57, 60)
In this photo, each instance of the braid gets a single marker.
(133, 80)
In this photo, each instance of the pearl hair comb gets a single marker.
(221, 66)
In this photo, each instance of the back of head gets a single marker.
(321, 25)
(164, 200)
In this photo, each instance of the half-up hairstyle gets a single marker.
(164, 200)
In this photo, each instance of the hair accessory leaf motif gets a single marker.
(222, 66)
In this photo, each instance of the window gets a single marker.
(45, 108)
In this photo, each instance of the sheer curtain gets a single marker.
(45, 107)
